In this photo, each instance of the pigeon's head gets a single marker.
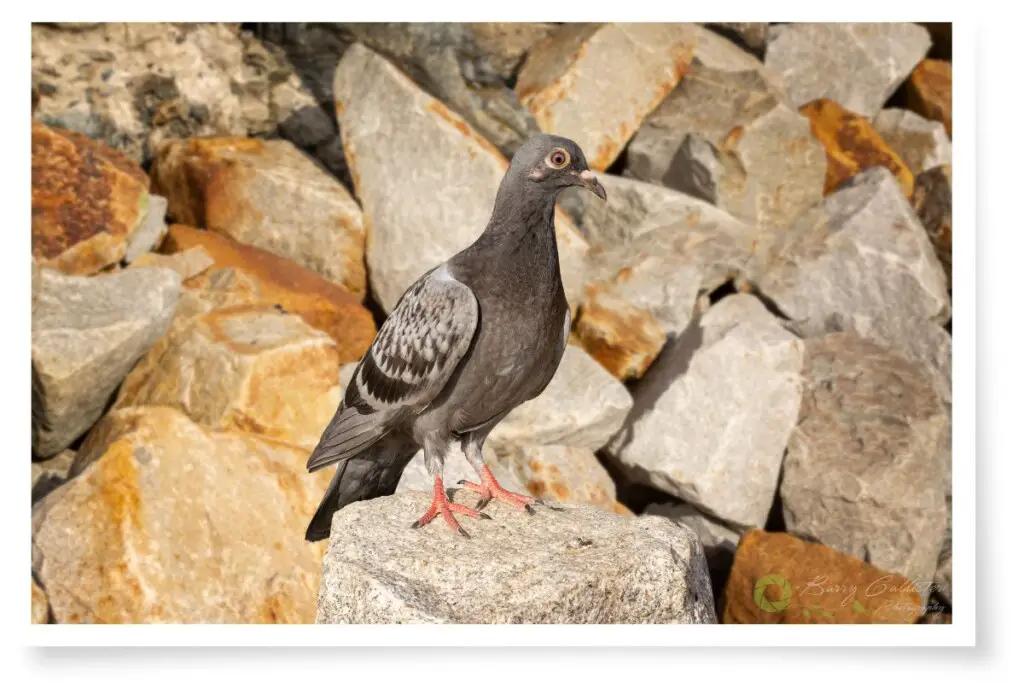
(553, 163)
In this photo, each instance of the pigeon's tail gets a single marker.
(373, 473)
(348, 433)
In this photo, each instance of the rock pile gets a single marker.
(751, 423)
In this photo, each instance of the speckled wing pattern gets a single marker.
(420, 344)
(412, 358)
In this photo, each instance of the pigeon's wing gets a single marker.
(412, 358)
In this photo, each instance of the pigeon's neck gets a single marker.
(520, 211)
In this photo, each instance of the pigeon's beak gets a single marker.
(588, 179)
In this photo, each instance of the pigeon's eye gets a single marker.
(558, 158)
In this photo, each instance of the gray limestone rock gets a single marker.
(713, 414)
(87, 333)
(867, 466)
(858, 65)
(922, 144)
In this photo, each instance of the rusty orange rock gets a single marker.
(623, 338)
(779, 579)
(87, 199)
(931, 92)
(266, 193)
(280, 281)
(852, 145)
(167, 522)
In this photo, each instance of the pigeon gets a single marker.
(472, 339)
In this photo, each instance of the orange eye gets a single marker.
(558, 158)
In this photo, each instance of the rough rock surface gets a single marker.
(438, 200)
(132, 85)
(933, 203)
(931, 92)
(852, 145)
(456, 468)
(858, 65)
(87, 201)
(267, 194)
(87, 334)
(582, 406)
(726, 136)
(751, 34)
(719, 541)
(861, 262)
(40, 606)
(167, 522)
(712, 416)
(50, 473)
(566, 474)
(595, 83)
(284, 283)
(150, 231)
(622, 337)
(922, 144)
(646, 238)
(577, 565)
(259, 370)
(506, 43)
(779, 579)
(187, 263)
(866, 467)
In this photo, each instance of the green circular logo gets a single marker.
(763, 602)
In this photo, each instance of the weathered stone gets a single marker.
(655, 234)
(583, 406)
(711, 417)
(51, 473)
(167, 522)
(249, 368)
(426, 180)
(187, 264)
(623, 338)
(861, 262)
(284, 283)
(866, 467)
(566, 474)
(719, 541)
(150, 231)
(933, 203)
(595, 83)
(133, 85)
(267, 194)
(40, 605)
(852, 145)
(506, 43)
(751, 34)
(858, 65)
(87, 201)
(921, 143)
(943, 581)
(931, 92)
(456, 468)
(87, 334)
(726, 137)
(779, 579)
(576, 565)
(446, 60)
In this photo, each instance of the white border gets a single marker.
(15, 401)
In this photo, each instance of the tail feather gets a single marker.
(370, 474)
(348, 433)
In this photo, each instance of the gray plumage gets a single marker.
(469, 341)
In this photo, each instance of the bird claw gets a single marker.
(484, 515)
(482, 503)
(529, 510)
(464, 532)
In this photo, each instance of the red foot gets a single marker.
(442, 506)
(490, 488)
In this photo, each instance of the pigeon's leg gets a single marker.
(440, 505)
(489, 488)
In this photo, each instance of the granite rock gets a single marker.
(576, 565)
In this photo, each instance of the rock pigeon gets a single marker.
(472, 339)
